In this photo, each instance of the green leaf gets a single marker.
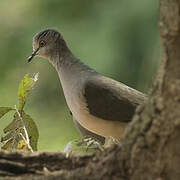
(12, 137)
(24, 89)
(32, 130)
(14, 130)
(22, 132)
(4, 110)
(11, 126)
(6, 137)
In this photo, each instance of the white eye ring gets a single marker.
(42, 43)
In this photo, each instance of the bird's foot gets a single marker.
(85, 144)
(90, 143)
(109, 141)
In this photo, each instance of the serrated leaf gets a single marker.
(24, 89)
(4, 110)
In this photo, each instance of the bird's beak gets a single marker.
(32, 55)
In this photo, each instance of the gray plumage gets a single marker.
(101, 106)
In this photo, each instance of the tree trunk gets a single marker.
(150, 148)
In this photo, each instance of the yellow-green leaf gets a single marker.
(24, 89)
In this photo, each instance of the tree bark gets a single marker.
(151, 145)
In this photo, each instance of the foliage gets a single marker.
(24, 89)
(22, 132)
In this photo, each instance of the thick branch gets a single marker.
(47, 165)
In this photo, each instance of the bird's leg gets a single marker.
(85, 144)
(109, 141)
(91, 143)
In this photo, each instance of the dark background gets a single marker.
(118, 38)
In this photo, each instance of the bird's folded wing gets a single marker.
(111, 100)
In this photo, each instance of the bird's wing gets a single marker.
(111, 100)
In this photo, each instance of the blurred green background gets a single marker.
(117, 38)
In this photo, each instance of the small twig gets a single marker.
(26, 138)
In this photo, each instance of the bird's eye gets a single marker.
(42, 43)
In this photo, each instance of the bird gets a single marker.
(101, 107)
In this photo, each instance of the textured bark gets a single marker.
(156, 151)
(151, 146)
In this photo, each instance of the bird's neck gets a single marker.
(66, 61)
(63, 60)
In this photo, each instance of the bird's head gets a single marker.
(48, 43)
